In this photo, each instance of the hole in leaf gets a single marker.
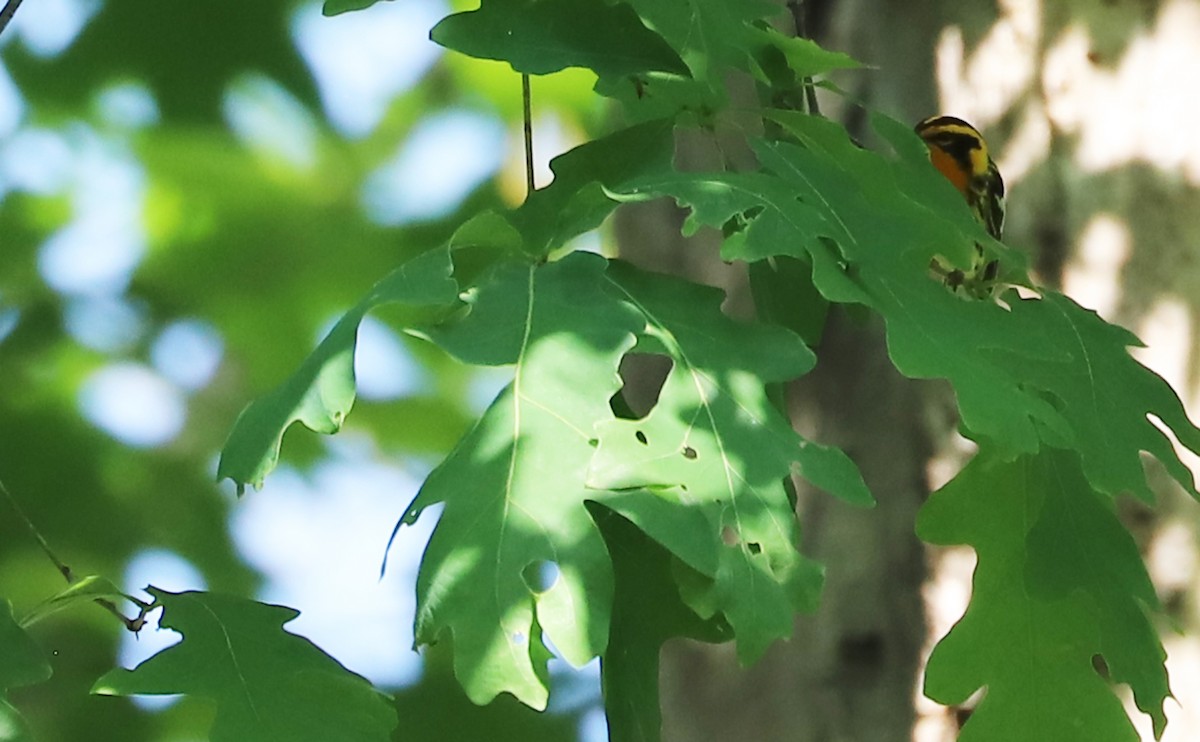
(739, 222)
(729, 536)
(689, 452)
(641, 437)
(540, 576)
(754, 547)
(1100, 665)
(642, 379)
(518, 638)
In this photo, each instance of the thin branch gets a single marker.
(797, 9)
(133, 624)
(62, 568)
(527, 99)
(6, 15)
(799, 19)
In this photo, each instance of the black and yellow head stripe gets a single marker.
(958, 139)
(959, 151)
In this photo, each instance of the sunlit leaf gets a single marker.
(715, 444)
(514, 486)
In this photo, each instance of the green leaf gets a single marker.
(805, 57)
(1038, 370)
(715, 444)
(712, 37)
(84, 590)
(1027, 372)
(715, 37)
(784, 294)
(577, 200)
(1058, 581)
(514, 489)
(22, 663)
(334, 7)
(1105, 396)
(1079, 544)
(647, 610)
(538, 37)
(888, 218)
(321, 392)
(269, 685)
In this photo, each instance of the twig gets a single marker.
(62, 568)
(527, 99)
(133, 624)
(798, 18)
(6, 15)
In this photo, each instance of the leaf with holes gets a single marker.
(716, 446)
(1034, 371)
(269, 685)
(1027, 372)
(837, 207)
(1059, 582)
(513, 487)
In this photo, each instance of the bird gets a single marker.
(960, 153)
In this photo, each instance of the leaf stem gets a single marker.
(132, 624)
(6, 15)
(527, 98)
(62, 568)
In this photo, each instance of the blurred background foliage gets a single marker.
(190, 194)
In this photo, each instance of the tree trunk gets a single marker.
(849, 672)
(1081, 105)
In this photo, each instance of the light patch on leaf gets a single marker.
(514, 489)
(714, 445)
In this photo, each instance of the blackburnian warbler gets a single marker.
(959, 152)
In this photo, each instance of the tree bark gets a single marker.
(849, 673)
(1061, 75)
